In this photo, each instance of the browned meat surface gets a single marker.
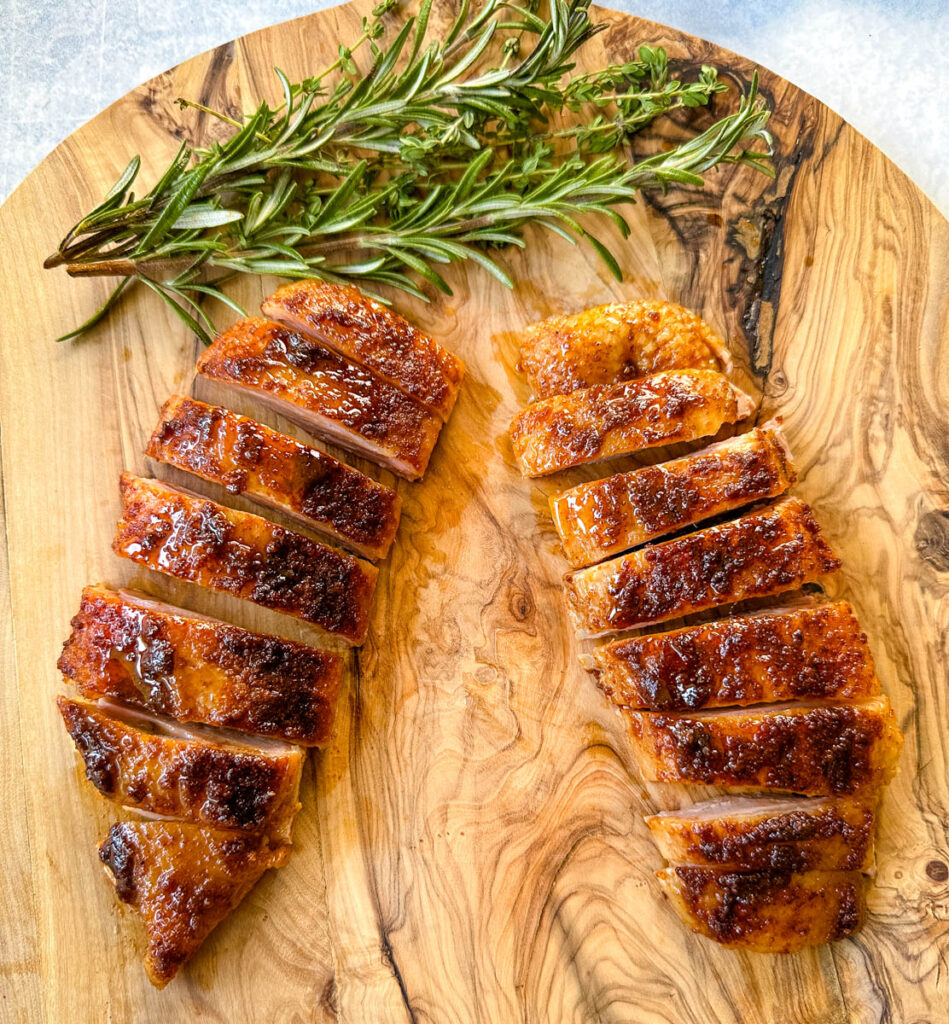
(812, 749)
(605, 420)
(617, 342)
(775, 549)
(163, 769)
(600, 519)
(365, 331)
(767, 911)
(784, 834)
(195, 539)
(251, 459)
(195, 669)
(809, 652)
(182, 881)
(330, 397)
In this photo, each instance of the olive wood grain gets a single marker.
(471, 846)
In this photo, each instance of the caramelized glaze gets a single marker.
(137, 763)
(196, 539)
(606, 420)
(182, 881)
(809, 653)
(774, 549)
(617, 342)
(811, 749)
(767, 911)
(251, 459)
(600, 519)
(326, 394)
(794, 834)
(368, 333)
(199, 670)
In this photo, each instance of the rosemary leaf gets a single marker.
(440, 151)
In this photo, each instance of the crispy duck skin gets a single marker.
(616, 342)
(195, 669)
(328, 396)
(605, 420)
(815, 749)
(195, 539)
(250, 459)
(774, 549)
(767, 911)
(340, 317)
(182, 880)
(778, 834)
(810, 652)
(161, 768)
(600, 519)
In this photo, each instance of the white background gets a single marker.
(883, 66)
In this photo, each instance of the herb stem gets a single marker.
(444, 150)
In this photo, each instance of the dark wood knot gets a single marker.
(329, 998)
(777, 384)
(521, 605)
(932, 539)
(937, 870)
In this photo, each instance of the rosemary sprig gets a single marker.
(438, 153)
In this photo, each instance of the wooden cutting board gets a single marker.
(471, 846)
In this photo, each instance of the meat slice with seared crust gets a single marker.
(771, 550)
(815, 749)
(195, 539)
(327, 395)
(605, 420)
(195, 669)
(205, 777)
(182, 881)
(616, 342)
(767, 911)
(809, 652)
(250, 459)
(600, 519)
(775, 834)
(363, 330)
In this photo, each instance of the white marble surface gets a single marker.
(883, 65)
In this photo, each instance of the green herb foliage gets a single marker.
(441, 150)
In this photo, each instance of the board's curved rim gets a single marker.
(74, 136)
(256, 48)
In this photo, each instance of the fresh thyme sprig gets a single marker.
(421, 161)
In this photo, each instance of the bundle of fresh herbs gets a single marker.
(440, 150)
